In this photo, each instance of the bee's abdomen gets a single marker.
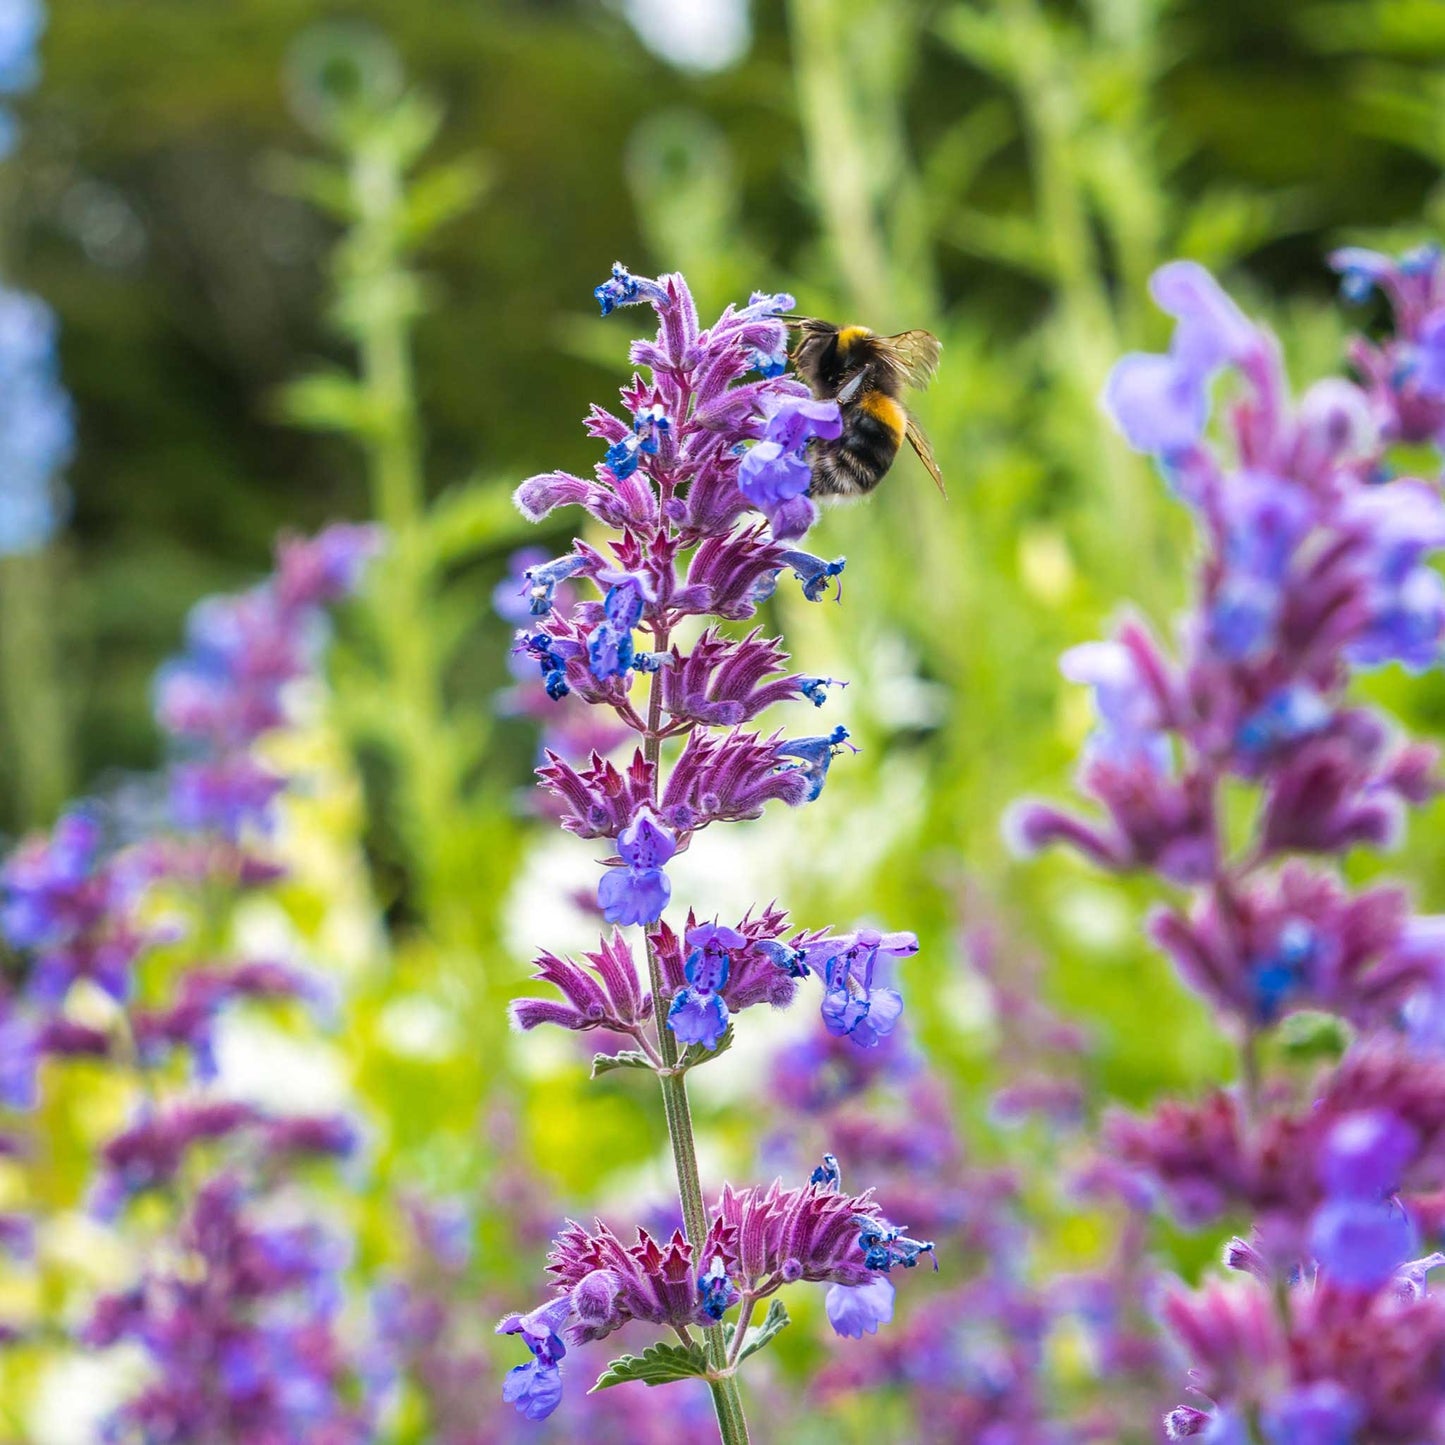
(858, 460)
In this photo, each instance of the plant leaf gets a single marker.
(695, 1054)
(775, 1320)
(627, 1059)
(657, 1365)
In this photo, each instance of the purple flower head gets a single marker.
(699, 1014)
(1429, 375)
(1161, 403)
(1128, 705)
(649, 426)
(72, 909)
(1404, 374)
(858, 1310)
(697, 1017)
(885, 1245)
(1361, 271)
(710, 959)
(719, 1293)
(535, 1389)
(1365, 1155)
(613, 1284)
(1360, 1243)
(638, 891)
(625, 289)
(774, 475)
(540, 582)
(604, 995)
(1324, 1413)
(550, 662)
(854, 1004)
(318, 571)
(787, 959)
(815, 574)
(785, 1235)
(815, 689)
(1160, 407)
(610, 650)
(814, 757)
(1299, 940)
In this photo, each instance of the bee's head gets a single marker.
(822, 355)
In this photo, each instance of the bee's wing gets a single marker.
(914, 355)
(920, 444)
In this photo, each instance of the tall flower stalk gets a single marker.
(714, 434)
(1237, 769)
(128, 965)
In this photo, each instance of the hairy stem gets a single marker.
(745, 1318)
(726, 1397)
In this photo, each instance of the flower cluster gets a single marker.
(235, 1310)
(241, 1331)
(757, 1241)
(228, 689)
(1314, 567)
(703, 484)
(973, 1360)
(1404, 375)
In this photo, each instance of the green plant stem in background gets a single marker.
(1088, 338)
(849, 56)
(34, 699)
(379, 307)
(726, 1397)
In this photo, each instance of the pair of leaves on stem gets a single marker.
(692, 1055)
(662, 1363)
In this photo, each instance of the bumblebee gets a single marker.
(865, 374)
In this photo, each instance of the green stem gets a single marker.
(1090, 342)
(745, 1318)
(726, 1397)
(377, 288)
(34, 703)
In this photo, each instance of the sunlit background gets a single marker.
(1006, 173)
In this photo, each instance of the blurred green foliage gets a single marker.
(1004, 172)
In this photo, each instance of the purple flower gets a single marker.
(542, 579)
(814, 756)
(853, 1004)
(605, 995)
(638, 891)
(774, 475)
(719, 1293)
(612, 1284)
(1361, 1242)
(1159, 406)
(1365, 1155)
(625, 289)
(1430, 357)
(1129, 708)
(1324, 1413)
(1161, 403)
(610, 650)
(698, 1018)
(649, 426)
(858, 1310)
(535, 1389)
(318, 571)
(699, 1015)
(814, 573)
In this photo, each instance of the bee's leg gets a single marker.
(850, 389)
